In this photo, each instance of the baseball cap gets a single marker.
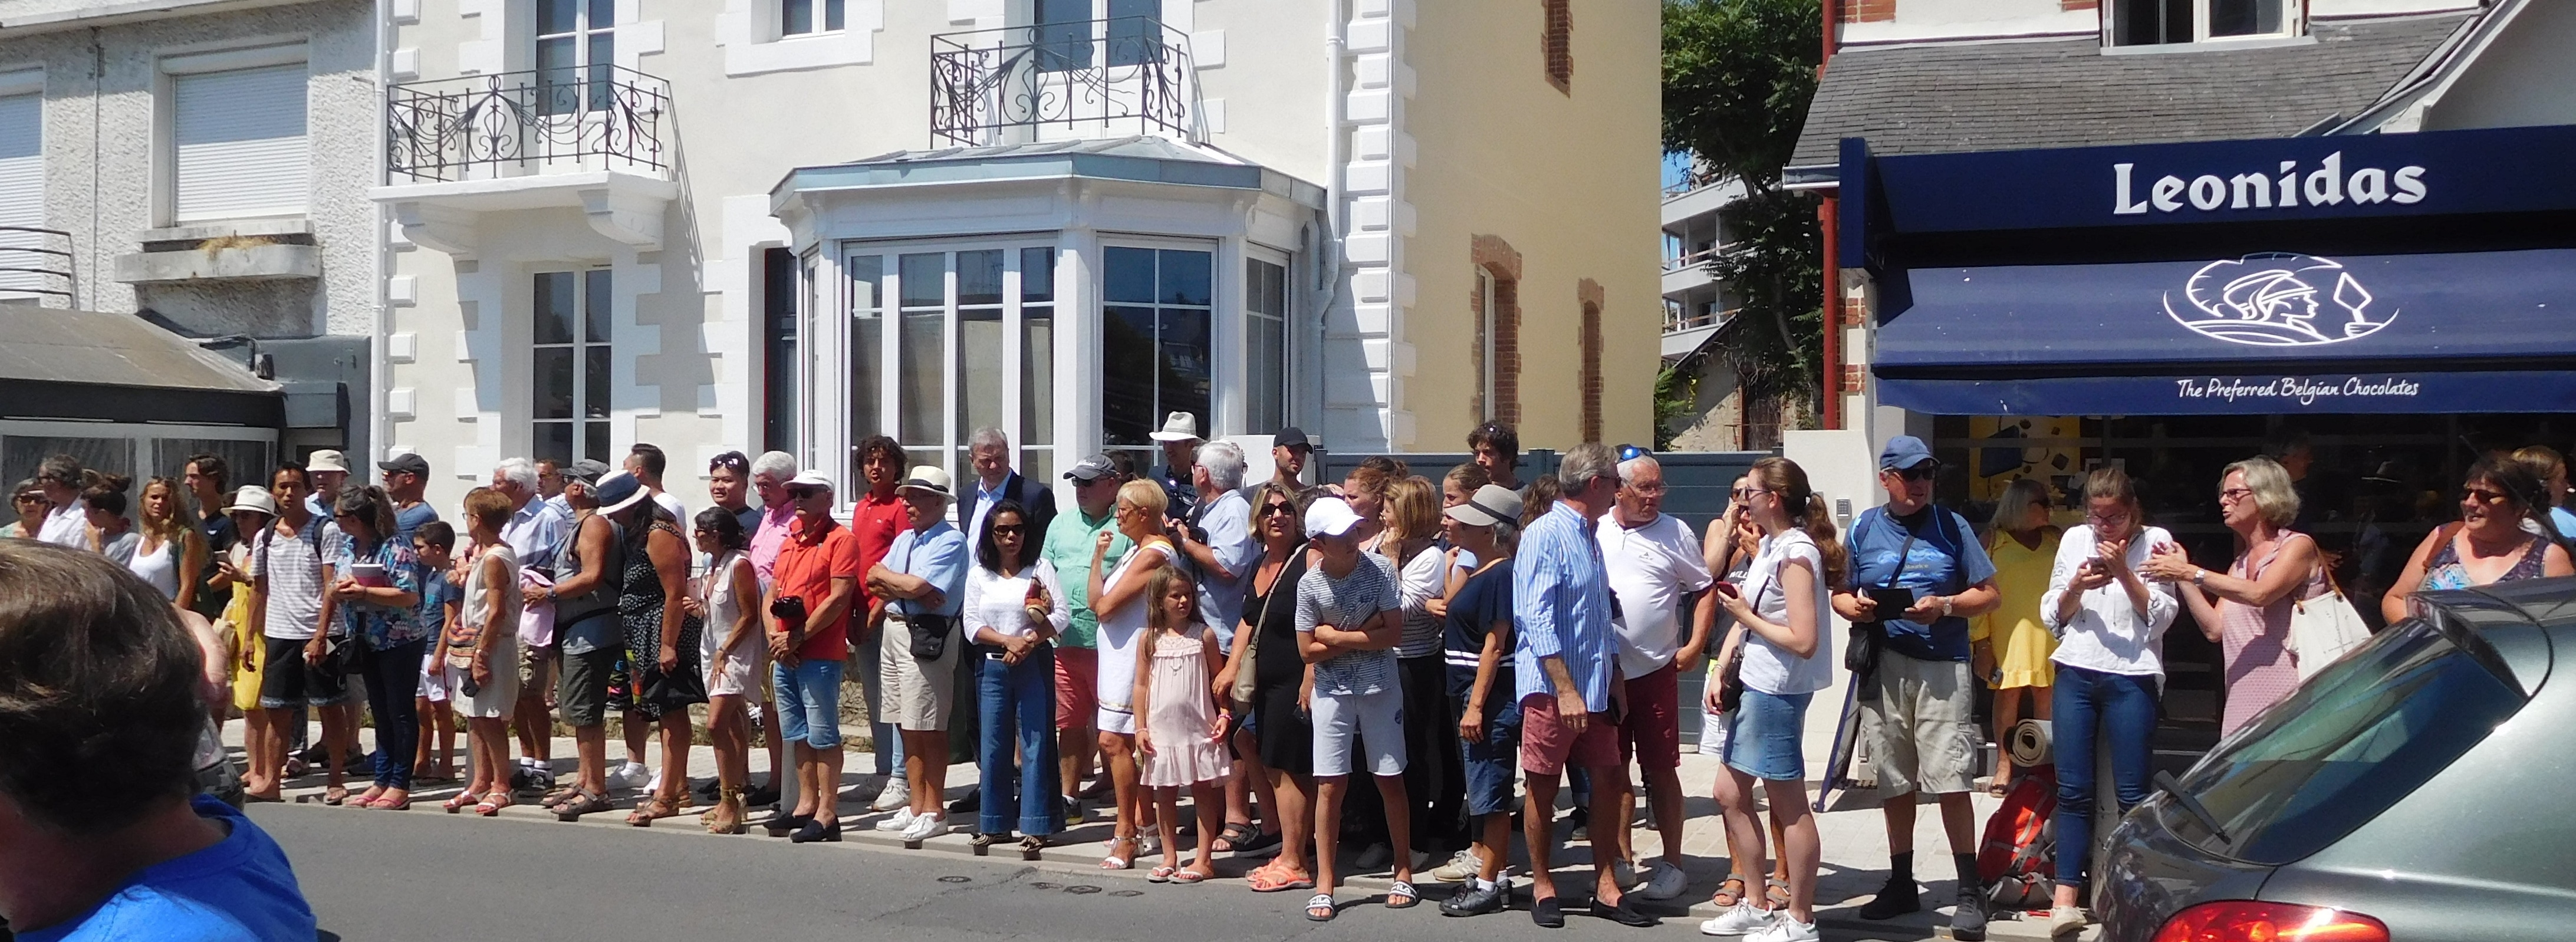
(410, 464)
(1092, 469)
(1903, 452)
(586, 470)
(1492, 504)
(1291, 437)
(1330, 516)
(328, 459)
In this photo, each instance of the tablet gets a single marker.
(1892, 603)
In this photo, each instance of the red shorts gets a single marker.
(1547, 747)
(1652, 728)
(1077, 687)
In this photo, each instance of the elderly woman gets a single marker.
(2247, 608)
(2502, 535)
(2110, 667)
(919, 588)
(29, 501)
(1118, 598)
(375, 588)
(66, 523)
(1279, 733)
(661, 639)
(1014, 609)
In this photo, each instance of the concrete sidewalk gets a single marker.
(1853, 838)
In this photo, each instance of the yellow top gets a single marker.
(2021, 643)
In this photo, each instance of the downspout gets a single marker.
(1826, 219)
(1328, 243)
(379, 374)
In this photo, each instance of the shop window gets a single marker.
(808, 17)
(1265, 346)
(569, 419)
(1557, 43)
(2167, 22)
(1155, 340)
(576, 53)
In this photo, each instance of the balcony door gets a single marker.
(943, 340)
(1098, 66)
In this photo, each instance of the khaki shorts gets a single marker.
(1926, 729)
(919, 696)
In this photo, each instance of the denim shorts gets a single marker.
(1494, 764)
(1763, 740)
(809, 702)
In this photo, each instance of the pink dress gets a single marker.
(2260, 668)
(1182, 714)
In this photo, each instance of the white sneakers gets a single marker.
(1462, 867)
(629, 775)
(1760, 925)
(2065, 922)
(899, 820)
(924, 827)
(896, 794)
(1663, 881)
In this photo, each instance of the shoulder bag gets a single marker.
(2325, 628)
(929, 632)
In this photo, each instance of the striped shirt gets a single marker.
(1349, 603)
(1561, 608)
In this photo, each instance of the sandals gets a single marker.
(386, 804)
(462, 801)
(582, 803)
(1402, 891)
(1115, 862)
(1267, 880)
(1187, 875)
(1161, 874)
(1032, 844)
(652, 809)
(1320, 903)
(1238, 836)
(491, 805)
(559, 796)
(1776, 892)
(335, 795)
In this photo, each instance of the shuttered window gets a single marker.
(241, 147)
(22, 192)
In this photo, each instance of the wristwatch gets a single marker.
(1946, 605)
(2199, 576)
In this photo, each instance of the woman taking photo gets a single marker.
(1781, 612)
(2011, 645)
(732, 648)
(2274, 567)
(1014, 609)
(1281, 679)
(2503, 534)
(172, 551)
(376, 590)
(2110, 620)
(661, 641)
(1118, 598)
(481, 647)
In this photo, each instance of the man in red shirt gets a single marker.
(818, 569)
(876, 518)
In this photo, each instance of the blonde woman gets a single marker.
(1118, 597)
(2246, 609)
(2010, 645)
(172, 550)
(1433, 780)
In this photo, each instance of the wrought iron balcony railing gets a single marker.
(36, 261)
(507, 124)
(1127, 75)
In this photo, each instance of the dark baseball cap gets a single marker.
(410, 464)
(1092, 469)
(1291, 437)
(1903, 452)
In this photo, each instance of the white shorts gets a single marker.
(1375, 719)
(1712, 733)
(433, 687)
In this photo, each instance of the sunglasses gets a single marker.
(28, 499)
(1920, 472)
(1010, 529)
(729, 460)
(1632, 453)
(2483, 496)
(1268, 510)
(802, 492)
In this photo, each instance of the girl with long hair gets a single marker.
(1181, 726)
(173, 549)
(727, 600)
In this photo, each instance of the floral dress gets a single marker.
(383, 626)
(639, 604)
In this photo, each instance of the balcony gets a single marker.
(1685, 331)
(592, 139)
(1063, 81)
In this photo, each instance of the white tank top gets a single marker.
(722, 607)
(159, 567)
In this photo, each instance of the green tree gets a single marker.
(1738, 75)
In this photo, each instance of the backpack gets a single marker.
(2019, 854)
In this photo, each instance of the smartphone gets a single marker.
(1892, 603)
(1726, 588)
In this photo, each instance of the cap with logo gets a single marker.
(1092, 469)
(1492, 504)
(328, 459)
(1903, 453)
(1330, 516)
(405, 463)
(928, 479)
(1178, 427)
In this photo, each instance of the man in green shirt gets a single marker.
(1069, 546)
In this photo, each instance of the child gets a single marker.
(1182, 730)
(434, 543)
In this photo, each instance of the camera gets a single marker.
(788, 608)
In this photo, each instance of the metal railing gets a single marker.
(31, 265)
(1129, 75)
(599, 117)
(1704, 256)
(1677, 321)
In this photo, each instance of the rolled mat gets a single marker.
(2029, 743)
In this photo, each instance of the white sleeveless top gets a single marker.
(723, 609)
(160, 567)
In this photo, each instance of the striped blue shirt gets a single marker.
(1561, 608)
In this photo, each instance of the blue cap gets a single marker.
(1902, 452)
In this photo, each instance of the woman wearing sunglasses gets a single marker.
(28, 499)
(2247, 608)
(1280, 734)
(1015, 607)
(2504, 533)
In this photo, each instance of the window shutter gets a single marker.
(22, 191)
(241, 146)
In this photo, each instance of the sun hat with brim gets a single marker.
(1330, 516)
(619, 491)
(1178, 427)
(928, 480)
(254, 497)
(328, 459)
(1491, 505)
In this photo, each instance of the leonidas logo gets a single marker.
(2277, 299)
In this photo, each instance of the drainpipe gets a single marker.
(1826, 225)
(379, 373)
(1328, 243)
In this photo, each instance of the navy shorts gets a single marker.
(1494, 764)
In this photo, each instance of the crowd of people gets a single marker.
(1470, 646)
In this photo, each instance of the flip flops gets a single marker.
(1160, 874)
(1187, 876)
(1270, 880)
(1320, 902)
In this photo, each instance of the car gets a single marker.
(2419, 789)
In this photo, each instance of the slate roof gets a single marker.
(1943, 98)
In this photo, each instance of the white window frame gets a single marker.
(776, 11)
(1224, 295)
(14, 84)
(2294, 26)
(1287, 333)
(829, 377)
(174, 63)
(580, 346)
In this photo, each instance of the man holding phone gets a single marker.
(1918, 575)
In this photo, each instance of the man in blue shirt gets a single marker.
(918, 589)
(1920, 700)
(406, 478)
(1566, 670)
(127, 853)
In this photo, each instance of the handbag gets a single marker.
(929, 635)
(2324, 629)
(676, 689)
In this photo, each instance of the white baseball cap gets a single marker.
(1330, 516)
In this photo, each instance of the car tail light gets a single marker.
(2250, 921)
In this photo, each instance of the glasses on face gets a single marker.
(2483, 496)
(1920, 472)
(1650, 490)
(1010, 529)
(800, 493)
(1277, 509)
(2233, 494)
(28, 499)
(2110, 521)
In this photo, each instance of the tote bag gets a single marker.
(2324, 629)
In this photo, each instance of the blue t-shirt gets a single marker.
(1945, 560)
(407, 520)
(435, 592)
(240, 890)
(937, 556)
(1486, 598)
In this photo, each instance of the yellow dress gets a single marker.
(250, 644)
(2021, 643)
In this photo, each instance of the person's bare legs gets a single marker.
(1167, 798)
(1118, 751)
(487, 744)
(1328, 830)
(1296, 802)
(1664, 800)
(638, 731)
(809, 776)
(1204, 798)
(1493, 845)
(925, 768)
(1261, 786)
(535, 724)
(1800, 846)
(591, 744)
(676, 736)
(264, 733)
(1538, 831)
(1399, 823)
(339, 738)
(2007, 714)
(1899, 812)
(1734, 791)
(826, 786)
(728, 730)
(1605, 841)
(1073, 753)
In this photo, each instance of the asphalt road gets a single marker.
(421, 876)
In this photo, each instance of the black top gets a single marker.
(1276, 661)
(1486, 598)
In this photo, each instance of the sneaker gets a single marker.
(1968, 921)
(1462, 867)
(655, 785)
(1664, 881)
(2065, 922)
(1478, 901)
(1073, 811)
(896, 794)
(899, 820)
(1742, 919)
(630, 775)
(926, 826)
(1785, 929)
(1624, 871)
(1895, 899)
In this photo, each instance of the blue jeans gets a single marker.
(809, 702)
(393, 679)
(1017, 703)
(2123, 708)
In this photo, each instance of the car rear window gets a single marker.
(2350, 743)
